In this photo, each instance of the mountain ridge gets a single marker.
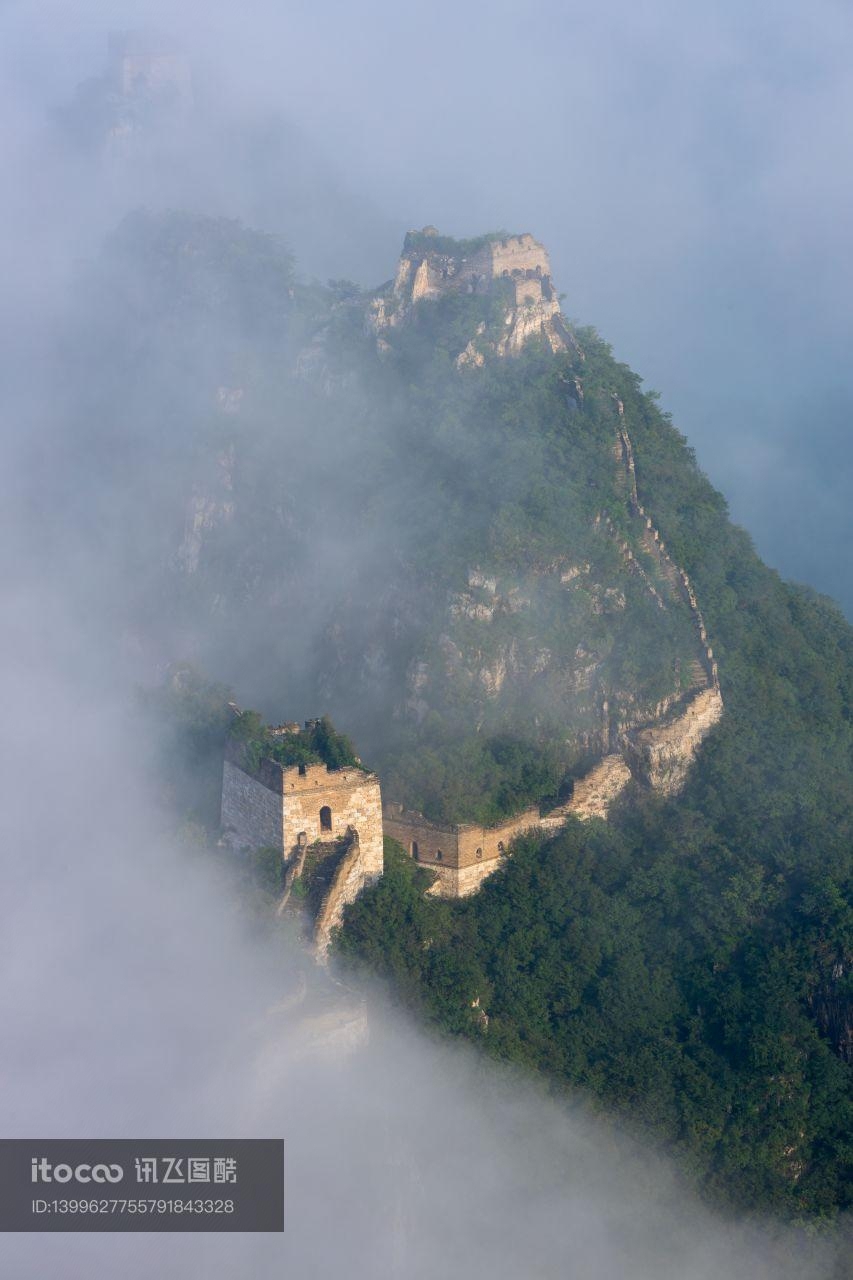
(385, 528)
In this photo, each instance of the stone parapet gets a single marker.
(432, 266)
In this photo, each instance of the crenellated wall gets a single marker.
(653, 544)
(519, 253)
(660, 754)
(462, 854)
(281, 807)
(593, 794)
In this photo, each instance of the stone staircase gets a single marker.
(321, 863)
(333, 874)
(342, 887)
(315, 863)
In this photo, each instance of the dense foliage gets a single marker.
(318, 743)
(475, 778)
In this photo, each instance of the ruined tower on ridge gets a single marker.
(327, 823)
(517, 267)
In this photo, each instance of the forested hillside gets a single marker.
(690, 961)
(423, 551)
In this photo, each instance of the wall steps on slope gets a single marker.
(346, 884)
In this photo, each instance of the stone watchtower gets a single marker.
(314, 815)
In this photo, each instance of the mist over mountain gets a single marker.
(682, 168)
(265, 442)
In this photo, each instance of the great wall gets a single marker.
(428, 269)
(308, 811)
(335, 819)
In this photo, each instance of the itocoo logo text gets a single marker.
(44, 1171)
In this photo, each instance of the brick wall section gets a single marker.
(409, 827)
(460, 882)
(528, 289)
(354, 799)
(519, 253)
(469, 853)
(274, 805)
(493, 841)
(461, 844)
(460, 870)
(251, 812)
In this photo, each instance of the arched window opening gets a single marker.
(415, 850)
(325, 818)
(438, 855)
(479, 853)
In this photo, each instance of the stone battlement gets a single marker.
(282, 779)
(308, 777)
(432, 266)
(519, 253)
(463, 854)
(288, 807)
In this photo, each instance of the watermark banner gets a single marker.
(122, 1184)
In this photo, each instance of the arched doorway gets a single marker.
(415, 850)
(325, 818)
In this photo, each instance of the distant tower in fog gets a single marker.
(149, 64)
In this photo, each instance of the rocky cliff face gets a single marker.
(554, 637)
(831, 998)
